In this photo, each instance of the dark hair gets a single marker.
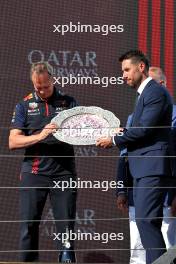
(136, 56)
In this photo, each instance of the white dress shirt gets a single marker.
(143, 85)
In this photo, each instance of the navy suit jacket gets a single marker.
(146, 138)
(123, 172)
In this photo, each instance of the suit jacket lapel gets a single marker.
(138, 106)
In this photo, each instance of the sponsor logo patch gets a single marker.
(33, 105)
(29, 96)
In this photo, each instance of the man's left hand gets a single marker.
(105, 142)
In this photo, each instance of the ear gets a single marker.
(142, 66)
(161, 82)
(35, 88)
(52, 79)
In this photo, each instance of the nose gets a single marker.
(124, 76)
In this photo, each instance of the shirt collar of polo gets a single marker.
(55, 93)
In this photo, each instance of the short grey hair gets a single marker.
(158, 73)
(41, 67)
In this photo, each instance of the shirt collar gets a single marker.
(143, 85)
(56, 93)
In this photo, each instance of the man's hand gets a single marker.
(17, 138)
(105, 142)
(47, 130)
(173, 207)
(119, 129)
(122, 203)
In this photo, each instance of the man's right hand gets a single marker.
(122, 203)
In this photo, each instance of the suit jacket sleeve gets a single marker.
(121, 176)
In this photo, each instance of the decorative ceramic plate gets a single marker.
(83, 125)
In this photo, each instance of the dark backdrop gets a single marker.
(26, 31)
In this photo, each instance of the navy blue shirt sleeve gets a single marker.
(19, 116)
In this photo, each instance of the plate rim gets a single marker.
(77, 110)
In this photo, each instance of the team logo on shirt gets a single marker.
(33, 105)
(13, 117)
(58, 109)
(33, 109)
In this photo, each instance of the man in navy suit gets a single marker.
(147, 141)
(125, 196)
